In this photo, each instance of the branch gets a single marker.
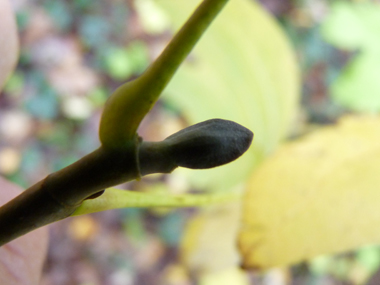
(123, 156)
(204, 145)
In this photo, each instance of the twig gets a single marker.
(61, 193)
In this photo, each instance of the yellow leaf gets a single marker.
(209, 242)
(232, 275)
(318, 195)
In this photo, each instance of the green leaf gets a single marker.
(121, 63)
(98, 96)
(15, 83)
(118, 63)
(358, 86)
(139, 55)
(369, 258)
(321, 265)
(9, 47)
(243, 70)
(361, 19)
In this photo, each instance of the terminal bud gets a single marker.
(205, 145)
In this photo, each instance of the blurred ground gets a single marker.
(74, 53)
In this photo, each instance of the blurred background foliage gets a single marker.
(75, 53)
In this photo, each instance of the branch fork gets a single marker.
(123, 156)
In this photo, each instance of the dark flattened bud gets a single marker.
(95, 195)
(208, 144)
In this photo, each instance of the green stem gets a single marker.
(165, 66)
(115, 198)
(129, 104)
